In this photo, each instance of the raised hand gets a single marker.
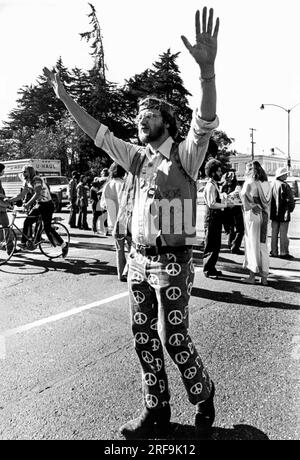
(205, 50)
(54, 81)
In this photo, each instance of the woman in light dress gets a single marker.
(256, 197)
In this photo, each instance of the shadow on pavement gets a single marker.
(236, 297)
(92, 267)
(275, 281)
(180, 432)
(238, 432)
(93, 246)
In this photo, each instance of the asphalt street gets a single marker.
(69, 370)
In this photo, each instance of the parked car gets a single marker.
(59, 190)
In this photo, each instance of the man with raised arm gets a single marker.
(159, 207)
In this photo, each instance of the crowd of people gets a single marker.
(104, 195)
(244, 213)
(154, 210)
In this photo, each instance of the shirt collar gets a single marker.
(164, 149)
(213, 181)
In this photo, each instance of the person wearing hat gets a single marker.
(282, 205)
(159, 206)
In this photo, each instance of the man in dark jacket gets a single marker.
(282, 204)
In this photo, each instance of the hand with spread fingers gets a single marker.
(205, 50)
(54, 81)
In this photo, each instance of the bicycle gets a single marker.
(39, 239)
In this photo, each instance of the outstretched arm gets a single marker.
(204, 52)
(86, 122)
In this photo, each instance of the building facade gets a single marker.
(269, 162)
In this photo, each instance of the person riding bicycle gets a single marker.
(4, 221)
(44, 207)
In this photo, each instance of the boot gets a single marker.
(151, 422)
(205, 415)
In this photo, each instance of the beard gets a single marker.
(152, 135)
(216, 177)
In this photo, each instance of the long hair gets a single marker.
(31, 171)
(116, 171)
(256, 171)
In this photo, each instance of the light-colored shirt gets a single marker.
(110, 199)
(192, 151)
(210, 195)
(39, 186)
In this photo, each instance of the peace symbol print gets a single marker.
(138, 296)
(181, 358)
(162, 385)
(173, 269)
(176, 340)
(190, 373)
(141, 338)
(153, 324)
(150, 379)
(173, 293)
(198, 362)
(196, 389)
(151, 401)
(158, 364)
(153, 280)
(171, 257)
(186, 312)
(139, 258)
(137, 277)
(147, 357)
(140, 318)
(155, 344)
(191, 347)
(175, 317)
(155, 258)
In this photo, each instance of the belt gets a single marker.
(156, 251)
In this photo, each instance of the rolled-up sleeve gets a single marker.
(193, 149)
(120, 151)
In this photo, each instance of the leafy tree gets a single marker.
(40, 125)
(218, 148)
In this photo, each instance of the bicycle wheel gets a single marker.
(47, 248)
(8, 242)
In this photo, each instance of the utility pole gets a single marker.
(252, 142)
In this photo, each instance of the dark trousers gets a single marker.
(73, 212)
(45, 210)
(82, 218)
(212, 240)
(159, 291)
(237, 229)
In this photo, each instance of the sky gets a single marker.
(257, 62)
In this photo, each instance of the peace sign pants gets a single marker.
(159, 289)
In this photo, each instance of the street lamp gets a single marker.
(288, 111)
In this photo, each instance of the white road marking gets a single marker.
(66, 314)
